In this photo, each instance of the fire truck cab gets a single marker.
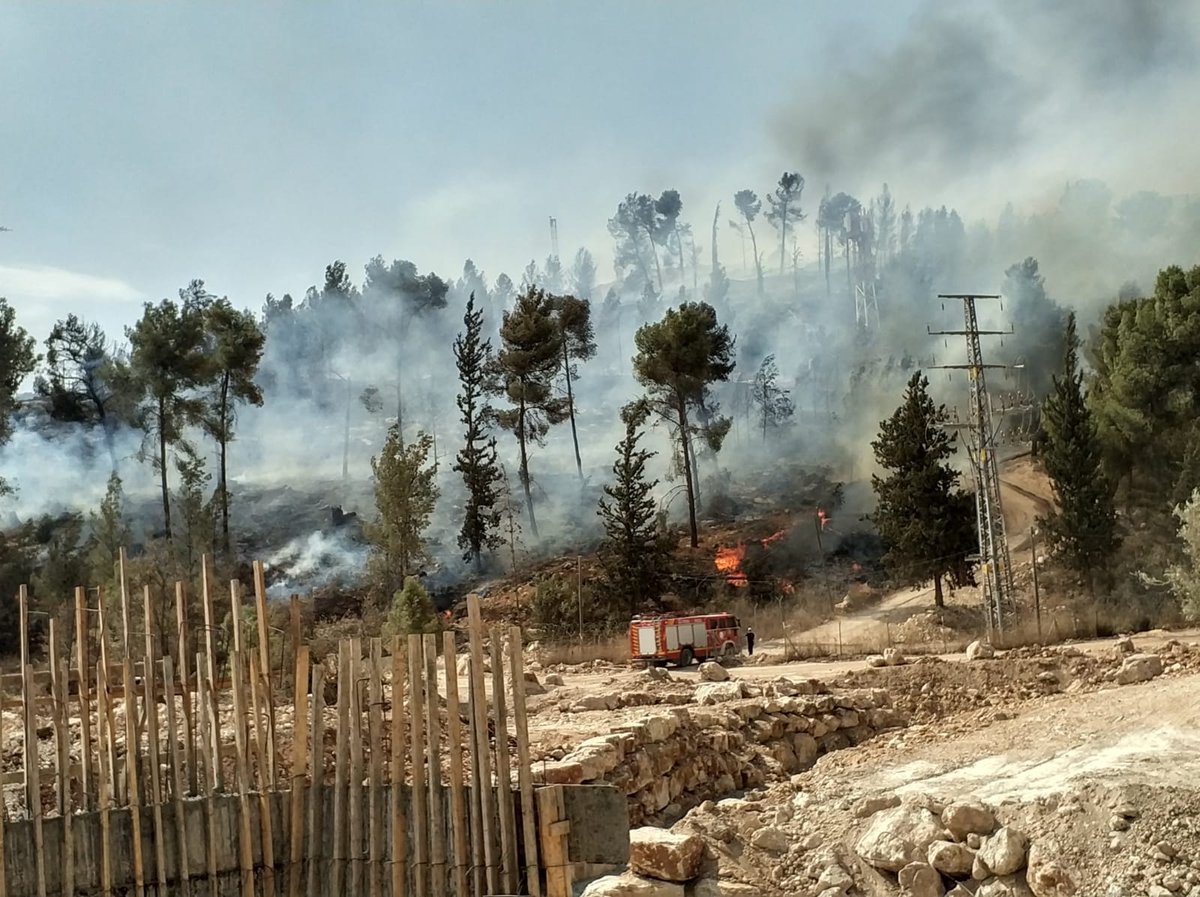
(684, 639)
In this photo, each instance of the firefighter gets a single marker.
(749, 640)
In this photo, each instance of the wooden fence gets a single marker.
(368, 777)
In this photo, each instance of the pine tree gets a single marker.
(412, 611)
(775, 407)
(528, 361)
(477, 461)
(1083, 529)
(634, 553)
(926, 522)
(108, 534)
(405, 495)
(574, 318)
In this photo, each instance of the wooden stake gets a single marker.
(299, 762)
(3, 818)
(264, 661)
(355, 852)
(104, 786)
(337, 870)
(245, 842)
(126, 610)
(205, 703)
(265, 786)
(183, 661)
(504, 799)
(420, 795)
(33, 784)
(437, 807)
(399, 810)
(235, 613)
(316, 788)
(178, 776)
(458, 798)
(524, 767)
(553, 829)
(479, 723)
(59, 673)
(156, 790)
(83, 665)
(375, 774)
(62, 749)
(216, 773)
(133, 790)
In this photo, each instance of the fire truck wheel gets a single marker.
(686, 657)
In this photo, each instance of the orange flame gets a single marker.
(823, 517)
(774, 538)
(729, 562)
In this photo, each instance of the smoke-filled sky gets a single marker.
(251, 144)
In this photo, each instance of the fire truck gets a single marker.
(684, 639)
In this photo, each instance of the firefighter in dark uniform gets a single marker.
(749, 640)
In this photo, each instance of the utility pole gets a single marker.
(554, 237)
(994, 561)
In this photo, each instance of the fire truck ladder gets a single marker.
(995, 563)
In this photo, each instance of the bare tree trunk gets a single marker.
(938, 600)
(757, 260)
(525, 465)
(223, 411)
(162, 465)
(571, 408)
(681, 407)
(783, 240)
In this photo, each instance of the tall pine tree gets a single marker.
(926, 521)
(574, 317)
(477, 460)
(406, 493)
(528, 361)
(1084, 528)
(634, 552)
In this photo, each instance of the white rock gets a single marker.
(713, 672)
(718, 692)
(978, 650)
(1045, 875)
(630, 885)
(920, 880)
(770, 839)
(872, 804)
(554, 679)
(1004, 852)
(663, 854)
(1139, 668)
(836, 878)
(899, 836)
(965, 817)
(953, 859)
(1004, 886)
(893, 657)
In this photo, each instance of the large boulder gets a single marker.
(899, 836)
(630, 885)
(1045, 875)
(719, 692)
(770, 839)
(951, 859)
(666, 855)
(712, 672)
(1139, 668)
(978, 650)
(921, 880)
(967, 817)
(1004, 852)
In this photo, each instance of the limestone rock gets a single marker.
(670, 856)
(920, 880)
(1139, 668)
(877, 660)
(630, 885)
(587, 703)
(552, 679)
(1004, 852)
(965, 817)
(836, 878)
(718, 692)
(952, 859)
(978, 650)
(899, 836)
(1046, 876)
(893, 657)
(657, 674)
(532, 686)
(770, 839)
(871, 805)
(1004, 886)
(713, 672)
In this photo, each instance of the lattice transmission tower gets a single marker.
(995, 564)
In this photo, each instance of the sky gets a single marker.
(251, 144)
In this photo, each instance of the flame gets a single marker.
(729, 562)
(774, 538)
(823, 517)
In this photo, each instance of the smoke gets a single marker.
(1004, 101)
(315, 560)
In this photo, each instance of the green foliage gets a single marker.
(749, 205)
(108, 533)
(18, 563)
(235, 351)
(926, 522)
(412, 611)
(74, 381)
(1083, 529)
(1041, 323)
(168, 361)
(554, 611)
(477, 460)
(195, 513)
(529, 359)
(17, 361)
(406, 493)
(635, 231)
(574, 319)
(1184, 577)
(63, 565)
(775, 406)
(635, 552)
(677, 359)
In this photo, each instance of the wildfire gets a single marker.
(822, 517)
(774, 538)
(729, 562)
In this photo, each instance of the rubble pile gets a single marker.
(731, 736)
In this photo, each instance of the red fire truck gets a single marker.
(684, 639)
